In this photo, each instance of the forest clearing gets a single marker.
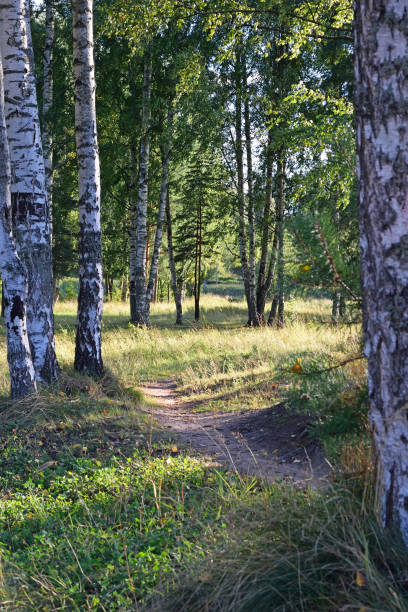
(103, 502)
(204, 291)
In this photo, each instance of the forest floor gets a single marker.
(273, 443)
(168, 484)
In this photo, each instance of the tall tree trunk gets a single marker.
(196, 268)
(265, 276)
(274, 310)
(253, 315)
(381, 86)
(174, 285)
(342, 306)
(56, 290)
(280, 196)
(335, 307)
(280, 227)
(138, 304)
(15, 287)
(160, 215)
(132, 231)
(88, 347)
(123, 289)
(240, 187)
(197, 292)
(47, 104)
(31, 228)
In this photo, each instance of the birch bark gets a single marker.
(48, 59)
(138, 304)
(15, 288)
(88, 350)
(132, 231)
(278, 303)
(243, 250)
(381, 94)
(253, 315)
(177, 292)
(164, 187)
(265, 277)
(31, 228)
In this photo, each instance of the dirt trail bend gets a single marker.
(273, 443)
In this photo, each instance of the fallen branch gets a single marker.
(341, 364)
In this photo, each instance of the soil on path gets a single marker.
(273, 443)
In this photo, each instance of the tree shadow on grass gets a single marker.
(77, 419)
(94, 500)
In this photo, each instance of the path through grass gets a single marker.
(101, 511)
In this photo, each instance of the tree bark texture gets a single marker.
(197, 267)
(253, 315)
(138, 305)
(15, 287)
(164, 187)
(335, 307)
(279, 299)
(243, 250)
(265, 276)
(177, 291)
(47, 103)
(132, 229)
(88, 353)
(280, 272)
(30, 213)
(381, 94)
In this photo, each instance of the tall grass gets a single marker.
(295, 551)
(100, 511)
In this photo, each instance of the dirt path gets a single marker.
(272, 443)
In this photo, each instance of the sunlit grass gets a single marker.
(99, 512)
(218, 360)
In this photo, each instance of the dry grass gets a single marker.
(219, 543)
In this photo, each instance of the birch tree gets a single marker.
(248, 277)
(30, 214)
(278, 302)
(177, 292)
(253, 315)
(381, 86)
(15, 288)
(137, 285)
(266, 270)
(164, 188)
(47, 103)
(88, 350)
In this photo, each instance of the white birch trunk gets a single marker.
(138, 303)
(177, 292)
(47, 103)
(29, 201)
(381, 82)
(160, 214)
(265, 276)
(88, 349)
(132, 230)
(253, 311)
(15, 288)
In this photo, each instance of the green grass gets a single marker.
(101, 511)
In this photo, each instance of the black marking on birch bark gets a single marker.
(389, 504)
(17, 309)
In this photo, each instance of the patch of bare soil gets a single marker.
(273, 443)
